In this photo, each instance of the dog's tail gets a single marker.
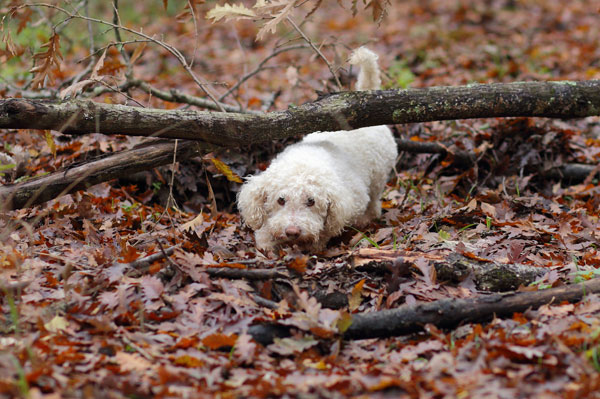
(369, 76)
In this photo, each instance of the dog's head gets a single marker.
(302, 209)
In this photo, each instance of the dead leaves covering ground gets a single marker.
(81, 316)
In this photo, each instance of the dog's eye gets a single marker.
(281, 201)
(310, 202)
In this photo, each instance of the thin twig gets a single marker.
(109, 88)
(266, 303)
(337, 81)
(147, 260)
(193, 13)
(171, 198)
(92, 62)
(95, 51)
(172, 95)
(33, 95)
(259, 67)
(138, 349)
(58, 28)
(117, 22)
(176, 53)
(89, 26)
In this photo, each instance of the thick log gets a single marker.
(45, 188)
(573, 172)
(340, 111)
(446, 313)
(449, 313)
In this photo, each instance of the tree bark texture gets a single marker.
(574, 172)
(340, 111)
(248, 274)
(487, 276)
(45, 188)
(445, 313)
(449, 313)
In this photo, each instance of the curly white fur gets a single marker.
(325, 182)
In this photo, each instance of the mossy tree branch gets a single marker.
(340, 111)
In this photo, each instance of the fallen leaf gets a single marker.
(57, 324)
(356, 296)
(218, 340)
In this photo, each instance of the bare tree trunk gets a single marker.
(340, 111)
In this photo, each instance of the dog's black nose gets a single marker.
(292, 232)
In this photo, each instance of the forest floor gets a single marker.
(81, 315)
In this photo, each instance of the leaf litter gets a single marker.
(90, 320)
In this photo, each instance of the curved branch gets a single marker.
(45, 188)
(319, 53)
(259, 68)
(336, 112)
(177, 96)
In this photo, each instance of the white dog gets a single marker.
(325, 182)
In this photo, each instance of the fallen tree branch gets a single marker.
(85, 116)
(145, 262)
(576, 172)
(264, 302)
(335, 112)
(45, 188)
(445, 313)
(487, 276)
(449, 313)
(248, 274)
(42, 189)
(420, 147)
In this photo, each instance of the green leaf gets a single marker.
(7, 167)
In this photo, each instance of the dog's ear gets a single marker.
(339, 212)
(251, 201)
